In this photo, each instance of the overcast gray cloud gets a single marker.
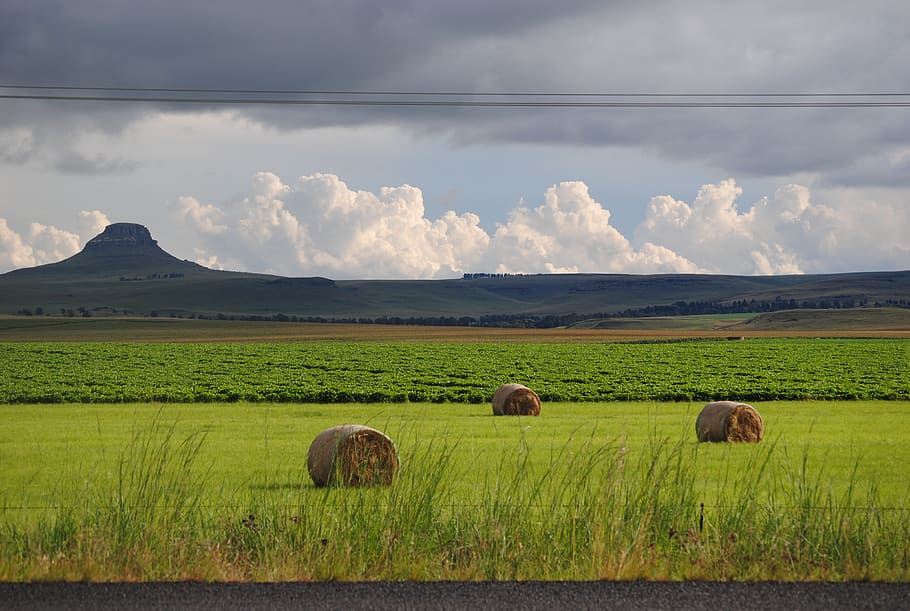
(347, 44)
(581, 46)
(77, 163)
(666, 46)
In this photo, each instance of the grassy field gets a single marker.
(585, 491)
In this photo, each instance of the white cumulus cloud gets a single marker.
(91, 223)
(50, 243)
(783, 234)
(204, 217)
(14, 251)
(571, 232)
(320, 226)
(41, 243)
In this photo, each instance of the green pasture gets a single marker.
(585, 490)
(260, 449)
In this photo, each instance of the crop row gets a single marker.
(331, 372)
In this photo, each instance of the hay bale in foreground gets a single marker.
(515, 400)
(729, 421)
(352, 455)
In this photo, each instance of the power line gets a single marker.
(483, 99)
(353, 92)
(461, 103)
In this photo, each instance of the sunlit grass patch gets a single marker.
(618, 491)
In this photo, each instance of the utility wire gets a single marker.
(462, 103)
(463, 93)
(487, 99)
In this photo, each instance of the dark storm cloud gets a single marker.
(287, 44)
(513, 45)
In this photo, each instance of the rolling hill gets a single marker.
(123, 271)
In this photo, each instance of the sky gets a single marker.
(376, 191)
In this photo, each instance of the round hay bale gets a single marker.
(352, 455)
(729, 421)
(515, 400)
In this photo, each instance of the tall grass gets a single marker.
(593, 510)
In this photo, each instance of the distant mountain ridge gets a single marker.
(123, 271)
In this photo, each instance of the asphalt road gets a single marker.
(551, 596)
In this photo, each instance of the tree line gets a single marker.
(528, 320)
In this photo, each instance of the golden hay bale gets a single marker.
(729, 421)
(515, 400)
(352, 455)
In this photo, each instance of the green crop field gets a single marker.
(340, 372)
